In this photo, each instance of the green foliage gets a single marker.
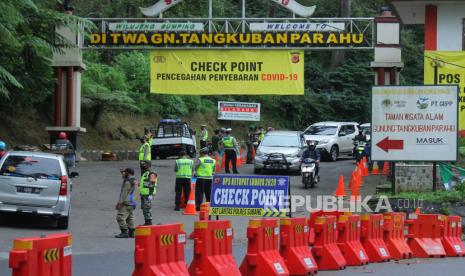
(452, 196)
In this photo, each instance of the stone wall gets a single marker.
(415, 177)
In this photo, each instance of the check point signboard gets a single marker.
(249, 195)
(414, 123)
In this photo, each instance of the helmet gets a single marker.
(2, 145)
(204, 150)
(311, 143)
(62, 135)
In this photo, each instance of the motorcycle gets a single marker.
(308, 171)
(361, 149)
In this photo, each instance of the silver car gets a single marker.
(280, 150)
(36, 183)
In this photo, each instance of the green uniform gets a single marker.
(184, 168)
(147, 190)
(206, 168)
(145, 152)
(125, 215)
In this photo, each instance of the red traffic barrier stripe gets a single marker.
(262, 257)
(42, 256)
(294, 236)
(159, 250)
(394, 237)
(451, 236)
(213, 249)
(372, 237)
(325, 250)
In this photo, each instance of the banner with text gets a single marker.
(237, 111)
(221, 72)
(450, 70)
(249, 195)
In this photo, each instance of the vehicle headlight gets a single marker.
(305, 169)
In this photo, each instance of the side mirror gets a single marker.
(73, 174)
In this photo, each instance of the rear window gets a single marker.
(31, 166)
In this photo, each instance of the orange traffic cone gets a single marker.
(222, 161)
(375, 169)
(239, 159)
(190, 207)
(355, 193)
(353, 180)
(217, 164)
(364, 167)
(386, 168)
(340, 187)
(358, 175)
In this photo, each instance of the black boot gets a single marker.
(148, 222)
(131, 232)
(123, 234)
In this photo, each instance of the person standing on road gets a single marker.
(184, 168)
(145, 155)
(251, 139)
(216, 143)
(147, 189)
(63, 145)
(231, 148)
(261, 134)
(2, 149)
(205, 166)
(126, 204)
(148, 136)
(203, 136)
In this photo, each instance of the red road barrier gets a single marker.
(294, 236)
(262, 256)
(42, 256)
(160, 250)
(325, 250)
(348, 240)
(451, 236)
(372, 238)
(424, 235)
(213, 249)
(394, 236)
(204, 213)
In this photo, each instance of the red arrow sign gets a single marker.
(387, 144)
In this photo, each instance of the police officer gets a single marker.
(231, 148)
(147, 189)
(184, 168)
(126, 204)
(145, 155)
(250, 141)
(205, 166)
(203, 136)
(261, 134)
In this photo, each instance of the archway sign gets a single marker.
(232, 60)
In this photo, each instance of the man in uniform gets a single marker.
(145, 155)
(147, 189)
(126, 204)
(203, 136)
(184, 168)
(251, 139)
(205, 166)
(231, 148)
(261, 134)
(216, 143)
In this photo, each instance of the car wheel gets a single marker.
(191, 152)
(62, 222)
(334, 152)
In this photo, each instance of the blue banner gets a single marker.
(249, 195)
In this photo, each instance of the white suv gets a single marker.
(334, 138)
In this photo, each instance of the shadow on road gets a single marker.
(25, 221)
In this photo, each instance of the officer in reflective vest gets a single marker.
(231, 148)
(147, 189)
(203, 136)
(184, 168)
(145, 154)
(205, 166)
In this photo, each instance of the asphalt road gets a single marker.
(96, 252)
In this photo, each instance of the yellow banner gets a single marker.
(450, 70)
(220, 72)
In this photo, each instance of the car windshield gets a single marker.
(31, 166)
(280, 141)
(321, 130)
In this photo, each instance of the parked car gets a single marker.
(171, 137)
(334, 138)
(279, 150)
(366, 128)
(36, 183)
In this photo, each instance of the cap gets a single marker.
(203, 125)
(228, 129)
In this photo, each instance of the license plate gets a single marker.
(28, 190)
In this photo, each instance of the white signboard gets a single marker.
(237, 111)
(414, 123)
(297, 27)
(152, 26)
